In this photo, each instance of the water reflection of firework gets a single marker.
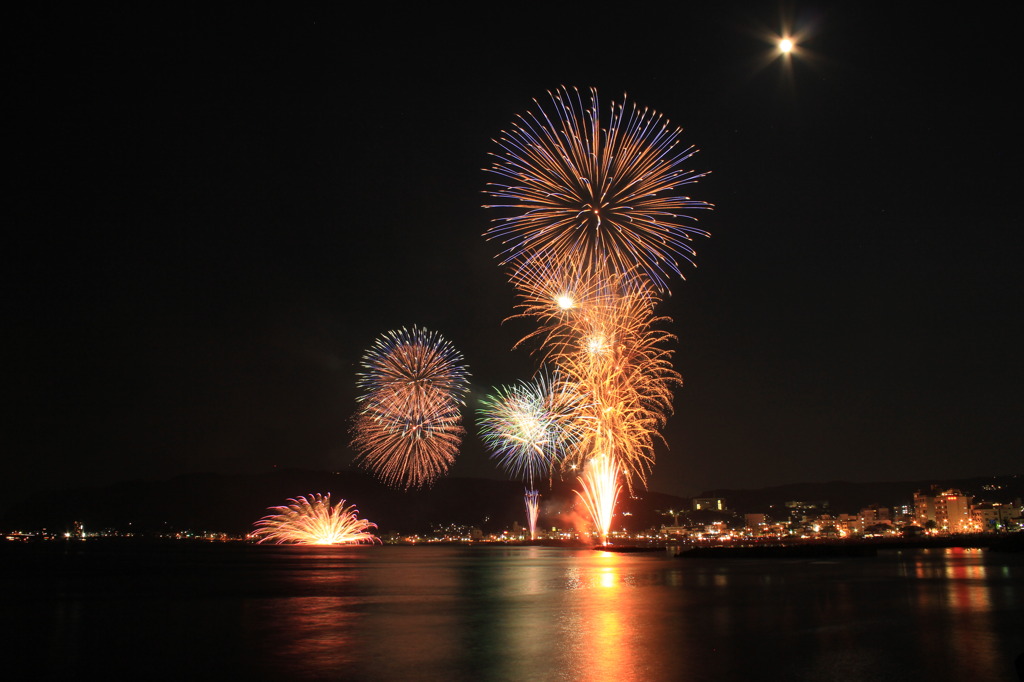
(600, 483)
(409, 427)
(314, 521)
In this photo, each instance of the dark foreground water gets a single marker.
(230, 611)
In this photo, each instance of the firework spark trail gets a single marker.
(600, 492)
(602, 193)
(409, 426)
(532, 499)
(314, 521)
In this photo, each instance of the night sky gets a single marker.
(215, 212)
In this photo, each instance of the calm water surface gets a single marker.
(197, 611)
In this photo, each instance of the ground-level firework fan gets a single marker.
(593, 224)
(314, 521)
(408, 427)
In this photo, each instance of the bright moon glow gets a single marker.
(786, 46)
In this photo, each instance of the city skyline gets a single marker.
(218, 504)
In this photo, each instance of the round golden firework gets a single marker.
(603, 192)
(409, 425)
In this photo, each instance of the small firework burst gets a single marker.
(529, 426)
(314, 521)
(408, 427)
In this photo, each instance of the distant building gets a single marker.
(681, 531)
(872, 515)
(802, 512)
(712, 503)
(904, 514)
(755, 520)
(850, 524)
(994, 516)
(949, 510)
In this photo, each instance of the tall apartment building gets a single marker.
(949, 509)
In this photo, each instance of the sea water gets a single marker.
(188, 610)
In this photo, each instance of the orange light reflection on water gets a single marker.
(315, 626)
(965, 602)
(606, 646)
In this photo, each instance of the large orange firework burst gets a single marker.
(409, 426)
(314, 521)
(615, 354)
(603, 191)
(593, 224)
(603, 334)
